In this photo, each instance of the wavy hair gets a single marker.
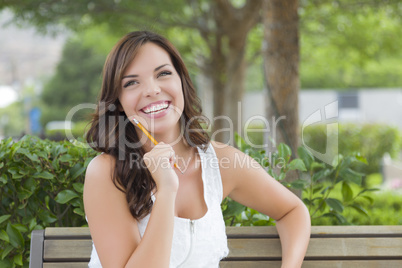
(111, 132)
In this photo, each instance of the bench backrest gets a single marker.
(330, 246)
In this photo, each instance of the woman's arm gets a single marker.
(246, 182)
(113, 229)
(294, 232)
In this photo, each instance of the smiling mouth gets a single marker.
(156, 109)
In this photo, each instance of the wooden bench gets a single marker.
(330, 246)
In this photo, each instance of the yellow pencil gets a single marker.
(151, 138)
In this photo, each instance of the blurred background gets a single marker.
(247, 59)
(317, 83)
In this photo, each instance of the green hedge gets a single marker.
(41, 184)
(370, 140)
(383, 207)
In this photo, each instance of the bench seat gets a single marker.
(330, 247)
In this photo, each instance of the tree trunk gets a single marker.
(228, 75)
(281, 62)
(226, 65)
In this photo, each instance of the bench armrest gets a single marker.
(36, 255)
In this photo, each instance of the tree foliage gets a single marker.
(346, 44)
(77, 80)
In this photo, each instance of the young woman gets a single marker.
(141, 210)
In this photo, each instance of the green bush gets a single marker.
(41, 185)
(318, 181)
(383, 207)
(370, 140)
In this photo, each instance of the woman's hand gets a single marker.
(160, 161)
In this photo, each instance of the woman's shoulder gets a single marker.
(100, 169)
(227, 152)
(231, 160)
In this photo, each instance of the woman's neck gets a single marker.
(173, 137)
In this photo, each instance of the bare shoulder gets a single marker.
(247, 182)
(113, 229)
(233, 164)
(232, 159)
(101, 164)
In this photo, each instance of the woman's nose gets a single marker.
(152, 89)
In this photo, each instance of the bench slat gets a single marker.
(271, 264)
(67, 232)
(265, 231)
(329, 248)
(315, 264)
(65, 265)
(67, 250)
(319, 231)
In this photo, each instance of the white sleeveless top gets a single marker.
(201, 242)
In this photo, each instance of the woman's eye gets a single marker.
(164, 73)
(130, 83)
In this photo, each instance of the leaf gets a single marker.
(76, 171)
(361, 159)
(317, 188)
(46, 217)
(79, 187)
(15, 173)
(284, 151)
(3, 179)
(32, 224)
(369, 198)
(315, 166)
(4, 236)
(335, 204)
(298, 184)
(65, 196)
(233, 209)
(297, 164)
(306, 156)
(30, 184)
(360, 209)
(18, 259)
(15, 236)
(79, 211)
(321, 174)
(22, 228)
(23, 194)
(347, 192)
(44, 175)
(6, 251)
(281, 176)
(259, 217)
(4, 218)
(65, 158)
(337, 216)
(33, 157)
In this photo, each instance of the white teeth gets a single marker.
(156, 108)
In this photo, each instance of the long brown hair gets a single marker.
(111, 132)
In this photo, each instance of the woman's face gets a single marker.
(151, 90)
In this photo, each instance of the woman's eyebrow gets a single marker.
(136, 75)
